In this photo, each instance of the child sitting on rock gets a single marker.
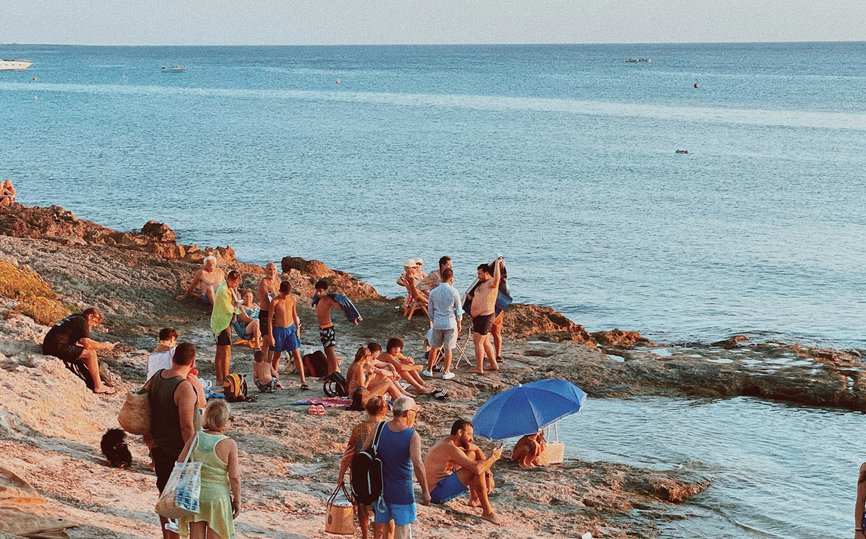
(265, 376)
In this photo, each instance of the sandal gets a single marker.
(304, 387)
(320, 410)
(313, 410)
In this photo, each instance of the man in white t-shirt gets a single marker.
(160, 358)
(445, 315)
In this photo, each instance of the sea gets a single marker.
(717, 189)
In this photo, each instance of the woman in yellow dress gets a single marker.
(220, 500)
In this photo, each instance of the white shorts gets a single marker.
(448, 337)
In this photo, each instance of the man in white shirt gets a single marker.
(445, 315)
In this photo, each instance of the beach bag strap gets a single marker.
(340, 486)
(379, 430)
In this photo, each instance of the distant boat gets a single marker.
(173, 69)
(14, 65)
(639, 60)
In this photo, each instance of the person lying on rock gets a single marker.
(405, 366)
(453, 468)
(70, 341)
(527, 450)
(208, 279)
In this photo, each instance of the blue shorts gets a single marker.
(399, 513)
(241, 330)
(447, 489)
(285, 339)
(204, 298)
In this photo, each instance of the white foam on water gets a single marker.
(758, 117)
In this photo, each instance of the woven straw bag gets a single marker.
(134, 416)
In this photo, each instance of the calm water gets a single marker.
(778, 471)
(559, 157)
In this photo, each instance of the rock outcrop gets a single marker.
(303, 275)
(62, 226)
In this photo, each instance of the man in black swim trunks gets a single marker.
(70, 341)
(483, 312)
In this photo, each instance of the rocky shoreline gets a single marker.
(50, 424)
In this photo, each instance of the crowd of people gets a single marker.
(183, 421)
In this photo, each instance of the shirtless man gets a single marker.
(208, 279)
(452, 472)
(483, 311)
(285, 328)
(268, 289)
(7, 193)
(327, 334)
(405, 366)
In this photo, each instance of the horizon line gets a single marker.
(540, 44)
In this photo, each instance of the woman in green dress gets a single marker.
(220, 500)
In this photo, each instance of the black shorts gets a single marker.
(263, 323)
(163, 463)
(224, 338)
(482, 324)
(70, 352)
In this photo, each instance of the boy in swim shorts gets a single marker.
(265, 376)
(286, 328)
(327, 333)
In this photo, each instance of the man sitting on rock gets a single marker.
(453, 472)
(208, 279)
(70, 341)
(7, 193)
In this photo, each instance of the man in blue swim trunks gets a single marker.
(456, 465)
(400, 451)
(286, 328)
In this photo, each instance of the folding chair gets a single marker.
(462, 343)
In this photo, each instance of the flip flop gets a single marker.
(440, 394)
(313, 410)
(106, 391)
(320, 410)
(304, 387)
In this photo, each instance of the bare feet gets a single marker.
(473, 503)
(105, 391)
(476, 371)
(493, 518)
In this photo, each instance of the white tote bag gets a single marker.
(180, 497)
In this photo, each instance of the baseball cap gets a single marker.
(404, 404)
(410, 263)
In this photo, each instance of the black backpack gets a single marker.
(367, 472)
(335, 385)
(316, 364)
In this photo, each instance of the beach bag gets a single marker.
(340, 515)
(134, 416)
(335, 385)
(180, 497)
(367, 472)
(316, 364)
(235, 387)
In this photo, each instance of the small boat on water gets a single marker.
(14, 65)
(639, 60)
(173, 69)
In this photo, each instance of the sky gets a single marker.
(324, 22)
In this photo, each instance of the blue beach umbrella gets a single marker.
(524, 409)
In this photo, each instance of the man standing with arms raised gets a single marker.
(483, 312)
(400, 450)
(445, 316)
(225, 303)
(267, 290)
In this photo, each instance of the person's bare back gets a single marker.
(441, 459)
(283, 309)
